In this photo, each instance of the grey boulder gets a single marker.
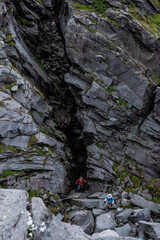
(140, 214)
(105, 221)
(85, 220)
(13, 214)
(143, 203)
(152, 230)
(124, 230)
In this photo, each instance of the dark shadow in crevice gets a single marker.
(77, 145)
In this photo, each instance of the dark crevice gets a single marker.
(58, 92)
(77, 140)
(148, 104)
(78, 149)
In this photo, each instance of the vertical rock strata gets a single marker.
(114, 64)
(99, 73)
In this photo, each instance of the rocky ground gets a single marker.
(23, 219)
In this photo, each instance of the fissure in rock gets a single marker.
(78, 149)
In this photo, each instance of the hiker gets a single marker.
(110, 200)
(80, 183)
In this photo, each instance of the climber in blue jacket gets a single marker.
(110, 200)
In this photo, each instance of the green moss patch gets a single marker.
(33, 193)
(157, 3)
(9, 86)
(136, 181)
(100, 5)
(2, 148)
(7, 173)
(33, 140)
(156, 78)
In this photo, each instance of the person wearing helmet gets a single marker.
(110, 200)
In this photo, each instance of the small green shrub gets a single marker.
(90, 29)
(55, 196)
(54, 210)
(154, 22)
(9, 37)
(136, 181)
(33, 140)
(132, 190)
(100, 5)
(7, 173)
(115, 167)
(9, 86)
(84, 7)
(122, 174)
(33, 193)
(156, 196)
(157, 3)
(66, 218)
(110, 89)
(156, 78)
(123, 102)
(2, 148)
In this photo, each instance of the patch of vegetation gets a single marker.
(154, 191)
(156, 197)
(13, 149)
(45, 160)
(2, 148)
(33, 193)
(132, 5)
(84, 7)
(92, 30)
(55, 196)
(154, 22)
(54, 210)
(157, 3)
(136, 181)
(133, 190)
(115, 167)
(7, 173)
(110, 89)
(156, 78)
(33, 140)
(66, 218)
(39, 1)
(9, 37)
(9, 86)
(122, 174)
(139, 169)
(112, 21)
(45, 131)
(100, 5)
(123, 102)
(151, 23)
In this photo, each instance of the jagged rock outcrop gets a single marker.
(112, 78)
(28, 142)
(23, 220)
(80, 95)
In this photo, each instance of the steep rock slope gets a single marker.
(97, 64)
(30, 155)
(115, 65)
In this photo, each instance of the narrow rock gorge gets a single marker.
(79, 96)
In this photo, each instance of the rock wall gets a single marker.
(79, 90)
(115, 65)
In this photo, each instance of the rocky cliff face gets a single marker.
(79, 93)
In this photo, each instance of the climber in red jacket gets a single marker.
(80, 183)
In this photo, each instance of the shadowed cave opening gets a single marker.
(77, 144)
